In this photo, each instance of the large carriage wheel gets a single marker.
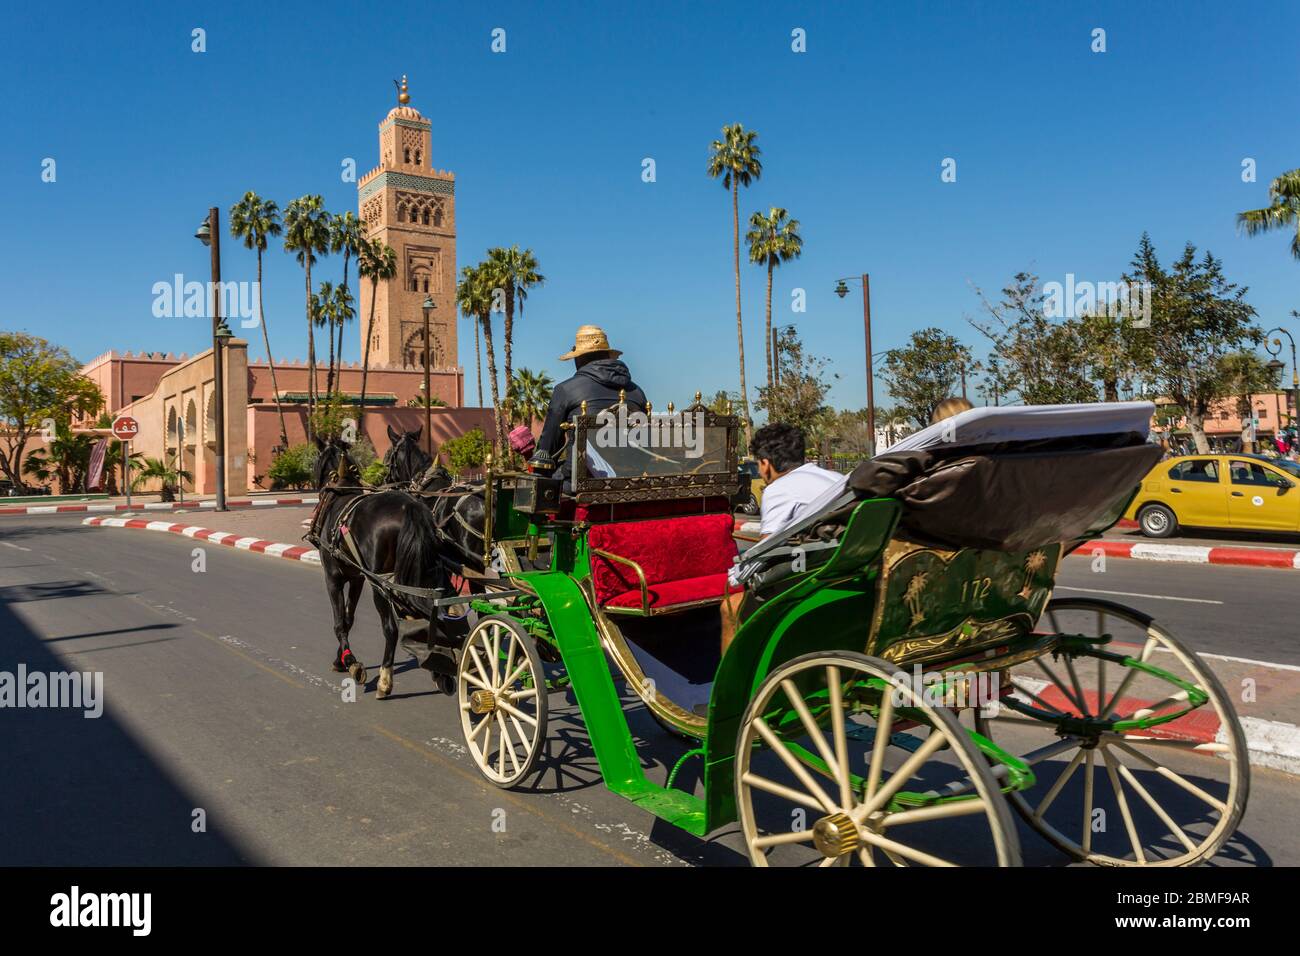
(903, 807)
(1167, 795)
(501, 692)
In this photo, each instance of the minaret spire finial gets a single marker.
(403, 97)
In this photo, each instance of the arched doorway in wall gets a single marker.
(171, 442)
(190, 455)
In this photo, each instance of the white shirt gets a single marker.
(797, 492)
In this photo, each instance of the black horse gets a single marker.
(405, 460)
(362, 533)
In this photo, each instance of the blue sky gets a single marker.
(1064, 157)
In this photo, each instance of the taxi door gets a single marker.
(1196, 492)
(1261, 498)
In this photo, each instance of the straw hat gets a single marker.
(590, 338)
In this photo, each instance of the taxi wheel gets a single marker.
(1157, 521)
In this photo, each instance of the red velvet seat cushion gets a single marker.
(683, 559)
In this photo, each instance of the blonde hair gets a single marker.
(950, 407)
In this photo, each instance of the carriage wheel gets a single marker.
(890, 815)
(501, 691)
(1167, 795)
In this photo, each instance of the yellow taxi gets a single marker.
(1238, 492)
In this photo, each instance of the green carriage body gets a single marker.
(874, 592)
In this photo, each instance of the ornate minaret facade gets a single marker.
(412, 207)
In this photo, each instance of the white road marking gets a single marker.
(1154, 597)
(16, 547)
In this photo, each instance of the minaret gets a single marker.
(412, 207)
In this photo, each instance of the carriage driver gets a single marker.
(599, 379)
(791, 486)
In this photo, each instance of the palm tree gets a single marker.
(307, 234)
(514, 271)
(347, 234)
(1283, 211)
(344, 311)
(478, 363)
(773, 239)
(322, 314)
(735, 159)
(474, 296)
(377, 261)
(254, 220)
(156, 469)
(530, 395)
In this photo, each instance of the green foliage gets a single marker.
(799, 395)
(376, 473)
(418, 402)
(156, 469)
(924, 372)
(1043, 361)
(1282, 212)
(466, 453)
(529, 396)
(293, 467)
(39, 383)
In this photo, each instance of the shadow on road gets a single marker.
(87, 792)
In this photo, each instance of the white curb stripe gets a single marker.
(1271, 743)
(243, 544)
(1189, 553)
(275, 550)
(43, 510)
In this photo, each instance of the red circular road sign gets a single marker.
(125, 427)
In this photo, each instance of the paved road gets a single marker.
(220, 698)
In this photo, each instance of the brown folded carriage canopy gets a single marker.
(1013, 496)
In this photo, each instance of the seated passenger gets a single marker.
(599, 379)
(791, 486)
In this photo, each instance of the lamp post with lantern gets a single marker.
(209, 234)
(841, 290)
(1274, 347)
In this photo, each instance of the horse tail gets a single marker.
(416, 563)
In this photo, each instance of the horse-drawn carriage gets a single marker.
(901, 664)
(901, 675)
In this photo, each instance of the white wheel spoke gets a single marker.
(479, 728)
(781, 790)
(781, 839)
(920, 856)
(496, 654)
(899, 777)
(1158, 810)
(478, 666)
(940, 811)
(516, 712)
(1029, 693)
(1086, 842)
(515, 674)
(814, 732)
(1051, 675)
(475, 682)
(865, 857)
(794, 766)
(1142, 713)
(1118, 787)
(507, 742)
(524, 737)
(510, 660)
(1056, 788)
(1171, 776)
(528, 693)
(835, 693)
(1074, 682)
(884, 728)
(1171, 743)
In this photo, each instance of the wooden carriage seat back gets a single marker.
(654, 566)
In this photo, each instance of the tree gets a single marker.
(474, 296)
(513, 271)
(322, 317)
(734, 158)
(1039, 359)
(377, 261)
(1200, 322)
(466, 453)
(255, 220)
(155, 469)
(41, 389)
(773, 239)
(924, 372)
(1114, 350)
(307, 235)
(799, 396)
(530, 395)
(1282, 212)
(347, 235)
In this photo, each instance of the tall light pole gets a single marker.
(1274, 347)
(429, 306)
(842, 289)
(208, 233)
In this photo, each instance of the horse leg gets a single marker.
(344, 591)
(388, 619)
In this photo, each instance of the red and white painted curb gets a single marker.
(1192, 554)
(293, 552)
(155, 506)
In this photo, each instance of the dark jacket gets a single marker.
(598, 383)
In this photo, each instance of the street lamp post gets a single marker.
(209, 234)
(842, 289)
(429, 306)
(1274, 347)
